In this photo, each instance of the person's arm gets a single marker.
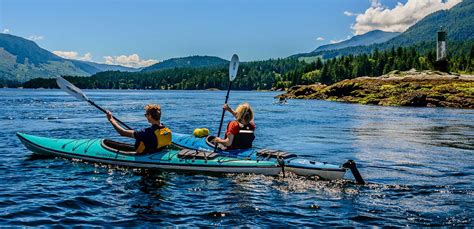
(232, 130)
(229, 109)
(118, 128)
(226, 142)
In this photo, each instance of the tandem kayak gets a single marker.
(290, 162)
(122, 154)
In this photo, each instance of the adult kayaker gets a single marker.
(150, 139)
(240, 132)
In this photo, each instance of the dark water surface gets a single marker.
(419, 163)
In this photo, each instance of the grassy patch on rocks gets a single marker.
(411, 88)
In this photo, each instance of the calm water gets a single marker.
(419, 164)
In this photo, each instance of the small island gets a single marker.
(397, 88)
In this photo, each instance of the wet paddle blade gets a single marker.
(233, 67)
(71, 89)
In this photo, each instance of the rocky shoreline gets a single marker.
(410, 88)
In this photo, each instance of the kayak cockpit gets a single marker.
(118, 147)
(124, 148)
(209, 142)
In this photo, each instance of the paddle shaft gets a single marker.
(105, 112)
(223, 113)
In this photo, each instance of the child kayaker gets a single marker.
(240, 132)
(150, 139)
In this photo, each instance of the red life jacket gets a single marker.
(245, 137)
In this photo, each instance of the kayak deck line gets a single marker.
(221, 166)
(86, 156)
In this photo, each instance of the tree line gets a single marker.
(274, 73)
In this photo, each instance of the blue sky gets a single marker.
(158, 30)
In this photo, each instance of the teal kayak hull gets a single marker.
(292, 163)
(97, 151)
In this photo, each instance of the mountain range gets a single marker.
(187, 62)
(22, 59)
(458, 22)
(372, 37)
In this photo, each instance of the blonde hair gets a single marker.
(154, 110)
(244, 113)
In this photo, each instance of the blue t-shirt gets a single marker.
(146, 137)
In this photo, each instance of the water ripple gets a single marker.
(418, 164)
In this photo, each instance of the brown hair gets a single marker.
(244, 113)
(154, 110)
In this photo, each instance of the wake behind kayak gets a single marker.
(121, 154)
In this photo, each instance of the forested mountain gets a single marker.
(372, 37)
(22, 59)
(26, 51)
(457, 21)
(109, 67)
(187, 62)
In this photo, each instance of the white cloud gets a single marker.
(335, 41)
(350, 14)
(74, 55)
(86, 57)
(124, 60)
(129, 61)
(6, 31)
(400, 18)
(375, 3)
(35, 38)
(320, 39)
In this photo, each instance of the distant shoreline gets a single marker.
(108, 89)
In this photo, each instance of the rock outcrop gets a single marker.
(410, 88)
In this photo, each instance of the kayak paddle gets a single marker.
(76, 92)
(233, 67)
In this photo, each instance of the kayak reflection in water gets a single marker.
(240, 132)
(150, 139)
